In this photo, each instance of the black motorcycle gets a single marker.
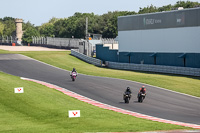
(141, 97)
(127, 97)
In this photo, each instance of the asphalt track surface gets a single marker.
(158, 102)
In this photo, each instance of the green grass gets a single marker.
(183, 84)
(4, 51)
(41, 109)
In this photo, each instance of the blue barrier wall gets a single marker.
(123, 57)
(105, 54)
(142, 57)
(167, 59)
(193, 60)
(137, 58)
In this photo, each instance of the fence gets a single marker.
(57, 42)
(109, 41)
(65, 43)
(7, 40)
(85, 58)
(155, 68)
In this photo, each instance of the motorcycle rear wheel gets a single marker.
(126, 100)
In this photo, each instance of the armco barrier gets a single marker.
(155, 68)
(90, 60)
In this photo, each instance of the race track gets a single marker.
(159, 102)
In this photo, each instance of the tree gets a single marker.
(80, 27)
(9, 26)
(1, 28)
(53, 20)
(27, 25)
(108, 23)
(165, 8)
(27, 35)
(47, 29)
(187, 4)
(148, 9)
(59, 27)
(74, 25)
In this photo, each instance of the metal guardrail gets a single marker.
(90, 60)
(155, 68)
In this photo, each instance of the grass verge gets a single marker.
(41, 109)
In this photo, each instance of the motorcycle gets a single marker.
(141, 97)
(73, 76)
(127, 97)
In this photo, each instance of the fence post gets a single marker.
(11, 39)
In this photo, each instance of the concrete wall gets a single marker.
(85, 58)
(155, 68)
(64, 43)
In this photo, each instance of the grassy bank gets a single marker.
(41, 109)
(183, 84)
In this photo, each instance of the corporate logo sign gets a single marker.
(19, 90)
(180, 19)
(74, 113)
(151, 21)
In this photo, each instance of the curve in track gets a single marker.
(159, 103)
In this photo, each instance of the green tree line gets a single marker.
(105, 24)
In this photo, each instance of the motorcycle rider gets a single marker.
(73, 70)
(128, 91)
(142, 90)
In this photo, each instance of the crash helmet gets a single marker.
(143, 87)
(128, 89)
(74, 69)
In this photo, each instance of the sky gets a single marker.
(41, 11)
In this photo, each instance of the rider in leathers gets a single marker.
(143, 90)
(128, 91)
(73, 70)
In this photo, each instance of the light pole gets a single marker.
(86, 32)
